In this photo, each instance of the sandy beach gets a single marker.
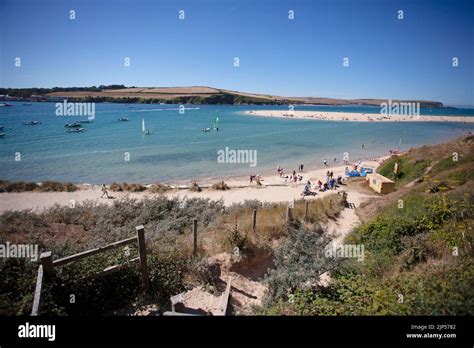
(356, 117)
(273, 189)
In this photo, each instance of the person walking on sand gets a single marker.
(104, 192)
(325, 162)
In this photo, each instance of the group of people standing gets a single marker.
(330, 183)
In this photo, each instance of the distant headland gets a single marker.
(181, 95)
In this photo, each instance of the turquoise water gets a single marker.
(178, 150)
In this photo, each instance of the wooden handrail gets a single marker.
(225, 297)
(79, 256)
(48, 265)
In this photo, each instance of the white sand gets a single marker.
(240, 191)
(355, 117)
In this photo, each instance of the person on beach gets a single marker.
(104, 192)
(325, 162)
(280, 171)
(331, 184)
(339, 180)
(334, 160)
(307, 190)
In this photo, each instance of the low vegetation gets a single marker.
(195, 187)
(408, 169)
(127, 187)
(221, 186)
(47, 186)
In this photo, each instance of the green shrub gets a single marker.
(299, 263)
(442, 290)
(419, 214)
(408, 170)
(236, 239)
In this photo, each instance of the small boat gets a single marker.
(6, 104)
(144, 130)
(31, 123)
(205, 130)
(123, 119)
(1, 127)
(74, 130)
(216, 124)
(73, 125)
(2, 135)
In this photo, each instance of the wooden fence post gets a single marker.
(306, 210)
(142, 253)
(195, 237)
(47, 262)
(288, 214)
(37, 299)
(254, 219)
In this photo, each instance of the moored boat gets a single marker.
(75, 130)
(73, 125)
(31, 123)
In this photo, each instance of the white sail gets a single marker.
(143, 126)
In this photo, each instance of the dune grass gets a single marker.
(47, 186)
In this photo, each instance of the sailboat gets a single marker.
(216, 124)
(144, 130)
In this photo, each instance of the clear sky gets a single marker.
(388, 57)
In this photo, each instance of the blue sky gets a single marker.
(388, 57)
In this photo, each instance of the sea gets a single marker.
(178, 151)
